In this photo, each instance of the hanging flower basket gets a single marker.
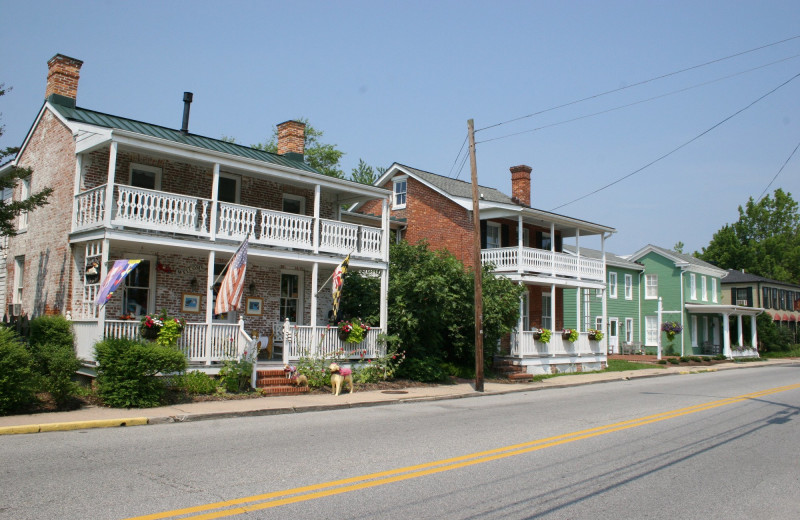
(352, 331)
(570, 335)
(542, 335)
(149, 333)
(595, 335)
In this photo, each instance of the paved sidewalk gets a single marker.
(100, 417)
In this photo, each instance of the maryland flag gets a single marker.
(338, 283)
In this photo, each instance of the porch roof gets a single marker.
(729, 310)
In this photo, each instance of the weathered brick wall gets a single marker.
(48, 261)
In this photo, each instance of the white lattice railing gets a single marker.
(236, 221)
(338, 237)
(160, 210)
(285, 229)
(89, 208)
(325, 342)
(544, 262)
(524, 345)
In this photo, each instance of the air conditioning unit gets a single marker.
(15, 309)
(741, 303)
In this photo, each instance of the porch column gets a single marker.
(384, 304)
(578, 250)
(520, 323)
(553, 254)
(315, 237)
(112, 168)
(209, 298)
(658, 342)
(726, 336)
(553, 316)
(76, 188)
(519, 247)
(578, 314)
(214, 210)
(741, 332)
(314, 281)
(753, 332)
(101, 315)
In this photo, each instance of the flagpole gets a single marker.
(226, 265)
(333, 273)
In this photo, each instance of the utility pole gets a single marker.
(476, 235)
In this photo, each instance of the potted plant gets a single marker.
(595, 335)
(570, 335)
(542, 335)
(352, 331)
(151, 327)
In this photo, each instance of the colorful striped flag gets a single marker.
(114, 277)
(230, 292)
(338, 284)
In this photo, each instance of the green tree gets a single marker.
(366, 174)
(320, 156)
(678, 247)
(9, 209)
(764, 241)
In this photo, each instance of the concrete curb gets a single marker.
(523, 387)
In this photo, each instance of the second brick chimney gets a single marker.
(521, 184)
(292, 139)
(62, 76)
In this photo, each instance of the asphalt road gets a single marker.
(711, 445)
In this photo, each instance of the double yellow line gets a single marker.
(301, 494)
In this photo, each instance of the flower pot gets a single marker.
(343, 335)
(149, 333)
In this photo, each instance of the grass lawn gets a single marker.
(618, 365)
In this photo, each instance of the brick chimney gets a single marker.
(62, 76)
(521, 184)
(292, 139)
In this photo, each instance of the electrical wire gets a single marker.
(466, 137)
(620, 107)
(640, 83)
(779, 172)
(461, 168)
(679, 147)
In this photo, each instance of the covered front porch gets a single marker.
(742, 347)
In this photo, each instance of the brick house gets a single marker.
(183, 203)
(523, 243)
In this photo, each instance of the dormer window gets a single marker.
(399, 191)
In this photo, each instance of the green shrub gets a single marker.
(127, 372)
(684, 359)
(315, 369)
(235, 376)
(17, 381)
(427, 370)
(53, 350)
(195, 383)
(720, 357)
(662, 361)
(696, 359)
(674, 360)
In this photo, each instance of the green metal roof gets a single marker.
(91, 117)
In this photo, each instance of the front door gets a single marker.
(613, 335)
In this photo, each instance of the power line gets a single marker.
(620, 107)
(640, 83)
(679, 147)
(450, 173)
(779, 172)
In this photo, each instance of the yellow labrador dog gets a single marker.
(338, 377)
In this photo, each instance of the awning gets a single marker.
(792, 318)
(729, 310)
(785, 317)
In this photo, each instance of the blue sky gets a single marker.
(397, 81)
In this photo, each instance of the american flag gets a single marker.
(338, 282)
(230, 292)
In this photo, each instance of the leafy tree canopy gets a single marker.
(366, 174)
(764, 241)
(9, 209)
(320, 156)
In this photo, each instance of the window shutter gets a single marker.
(538, 240)
(504, 236)
(733, 296)
(558, 243)
(749, 296)
(483, 234)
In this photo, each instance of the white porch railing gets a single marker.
(151, 210)
(544, 262)
(324, 341)
(524, 345)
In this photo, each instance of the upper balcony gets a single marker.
(533, 261)
(141, 209)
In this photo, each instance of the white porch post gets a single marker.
(112, 168)
(578, 249)
(578, 313)
(605, 290)
(209, 300)
(726, 336)
(553, 316)
(314, 281)
(658, 343)
(553, 254)
(315, 237)
(753, 332)
(384, 304)
(741, 332)
(519, 250)
(76, 188)
(214, 210)
(101, 316)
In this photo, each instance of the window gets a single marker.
(547, 243)
(774, 298)
(694, 330)
(650, 286)
(587, 308)
(628, 287)
(294, 204)
(148, 177)
(612, 285)
(692, 286)
(290, 297)
(705, 328)
(628, 330)
(228, 188)
(136, 295)
(765, 293)
(651, 330)
(742, 297)
(525, 303)
(399, 189)
(493, 232)
(526, 237)
(714, 290)
(19, 278)
(598, 323)
(547, 319)
(24, 194)
(704, 287)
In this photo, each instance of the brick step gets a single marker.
(284, 390)
(271, 381)
(505, 363)
(519, 376)
(511, 369)
(270, 373)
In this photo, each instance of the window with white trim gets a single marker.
(547, 318)
(290, 301)
(144, 176)
(19, 278)
(704, 288)
(25, 186)
(612, 284)
(399, 192)
(651, 331)
(229, 188)
(692, 286)
(587, 308)
(525, 303)
(294, 204)
(714, 290)
(628, 330)
(650, 286)
(628, 287)
(138, 295)
(598, 323)
(493, 232)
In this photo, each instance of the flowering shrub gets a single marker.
(595, 335)
(671, 328)
(378, 369)
(352, 331)
(570, 335)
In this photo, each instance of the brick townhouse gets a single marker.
(182, 203)
(523, 243)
